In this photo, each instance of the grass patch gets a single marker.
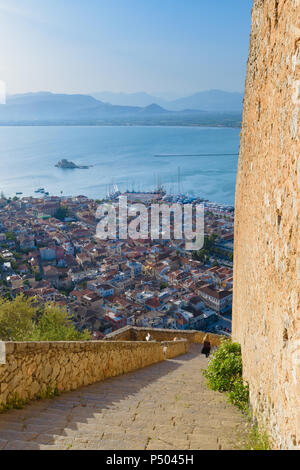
(17, 403)
(48, 393)
(257, 439)
(14, 403)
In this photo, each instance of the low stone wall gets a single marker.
(124, 334)
(131, 333)
(30, 369)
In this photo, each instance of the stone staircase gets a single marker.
(164, 406)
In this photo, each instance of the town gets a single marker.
(49, 250)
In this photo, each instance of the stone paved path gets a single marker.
(164, 406)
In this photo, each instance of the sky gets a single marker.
(85, 46)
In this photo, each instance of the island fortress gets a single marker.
(67, 165)
(266, 311)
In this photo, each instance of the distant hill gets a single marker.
(154, 109)
(46, 98)
(50, 108)
(212, 101)
(129, 99)
(44, 106)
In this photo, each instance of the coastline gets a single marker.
(169, 198)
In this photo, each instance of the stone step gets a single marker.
(21, 445)
(164, 406)
(3, 443)
(17, 435)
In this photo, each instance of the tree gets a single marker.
(10, 236)
(55, 324)
(215, 264)
(208, 249)
(37, 276)
(23, 319)
(62, 213)
(14, 265)
(16, 319)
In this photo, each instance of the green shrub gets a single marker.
(224, 367)
(225, 374)
(239, 395)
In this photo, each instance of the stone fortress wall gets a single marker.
(266, 309)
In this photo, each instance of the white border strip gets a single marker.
(2, 92)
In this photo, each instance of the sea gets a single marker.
(198, 161)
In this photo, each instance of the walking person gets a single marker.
(206, 346)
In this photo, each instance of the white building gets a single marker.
(219, 300)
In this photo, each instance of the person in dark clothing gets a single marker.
(206, 346)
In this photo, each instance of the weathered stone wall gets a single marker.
(266, 311)
(123, 334)
(30, 369)
(130, 333)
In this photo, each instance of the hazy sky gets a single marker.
(178, 46)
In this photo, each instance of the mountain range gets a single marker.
(211, 101)
(213, 106)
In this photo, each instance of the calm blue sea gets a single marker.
(123, 156)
